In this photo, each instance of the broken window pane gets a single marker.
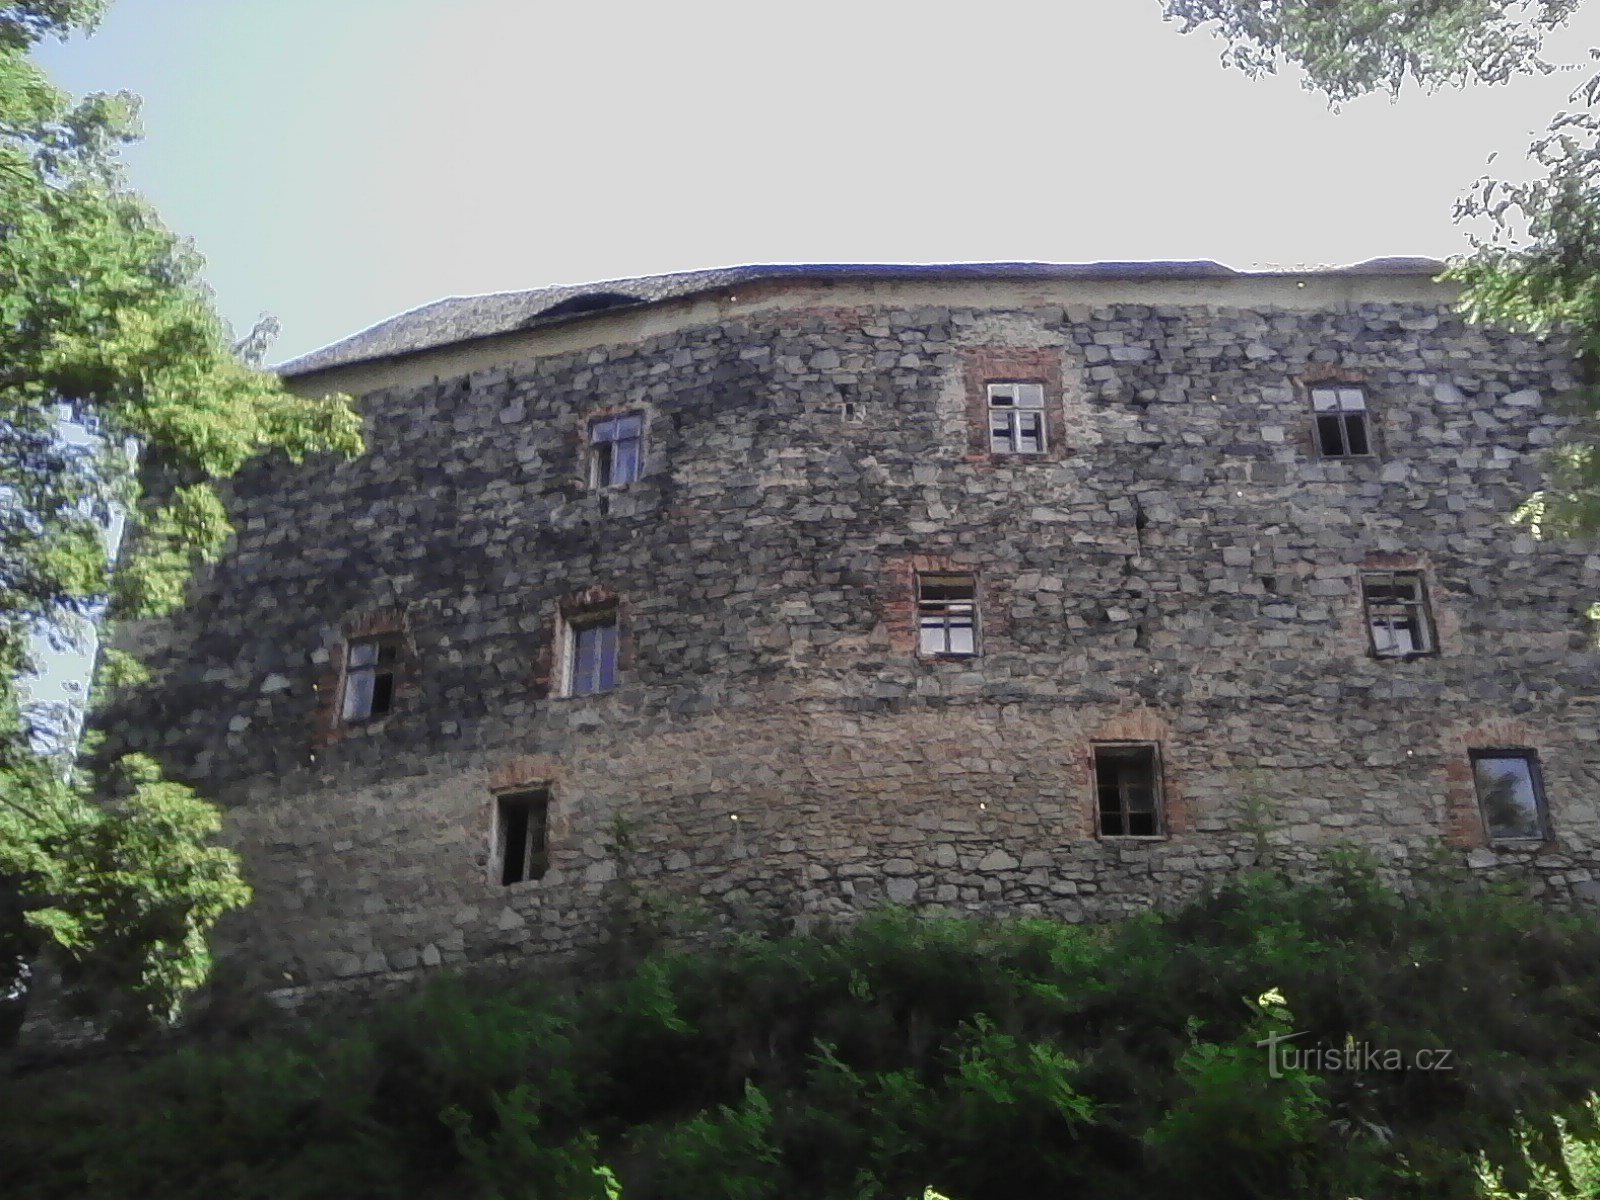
(1510, 794)
(947, 614)
(369, 678)
(1397, 614)
(1127, 789)
(1012, 428)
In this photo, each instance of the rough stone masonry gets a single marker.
(1180, 577)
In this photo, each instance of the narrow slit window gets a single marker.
(522, 821)
(1016, 418)
(1127, 782)
(947, 614)
(370, 668)
(616, 451)
(1510, 794)
(1341, 417)
(592, 653)
(1397, 614)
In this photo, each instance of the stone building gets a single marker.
(1023, 588)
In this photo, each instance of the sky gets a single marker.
(339, 161)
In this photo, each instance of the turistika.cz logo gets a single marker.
(1351, 1055)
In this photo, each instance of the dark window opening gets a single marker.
(947, 614)
(1510, 794)
(369, 678)
(1397, 614)
(1341, 414)
(1127, 788)
(616, 451)
(592, 654)
(524, 820)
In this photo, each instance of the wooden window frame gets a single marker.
(1127, 749)
(1423, 613)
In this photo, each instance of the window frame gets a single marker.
(945, 608)
(1344, 418)
(1423, 607)
(515, 809)
(574, 626)
(1013, 412)
(351, 671)
(1536, 782)
(602, 455)
(1125, 750)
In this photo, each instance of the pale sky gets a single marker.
(338, 161)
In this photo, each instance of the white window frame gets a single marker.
(606, 435)
(1398, 628)
(1341, 407)
(1016, 404)
(585, 678)
(356, 701)
(947, 616)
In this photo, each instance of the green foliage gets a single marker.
(1353, 47)
(1573, 1175)
(1025, 1058)
(1535, 265)
(102, 310)
(1538, 269)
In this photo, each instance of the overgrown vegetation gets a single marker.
(984, 1060)
(103, 315)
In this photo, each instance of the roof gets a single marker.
(463, 318)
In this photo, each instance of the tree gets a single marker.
(1538, 267)
(102, 311)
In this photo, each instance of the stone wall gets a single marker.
(1182, 569)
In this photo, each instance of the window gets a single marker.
(1127, 784)
(1510, 794)
(1016, 418)
(616, 451)
(947, 614)
(522, 821)
(1341, 415)
(1397, 614)
(370, 668)
(592, 653)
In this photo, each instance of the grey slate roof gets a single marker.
(463, 318)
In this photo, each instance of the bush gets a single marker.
(987, 1059)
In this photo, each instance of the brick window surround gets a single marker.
(386, 624)
(1137, 726)
(518, 776)
(549, 670)
(1463, 811)
(983, 365)
(898, 609)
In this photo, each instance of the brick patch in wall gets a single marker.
(983, 365)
